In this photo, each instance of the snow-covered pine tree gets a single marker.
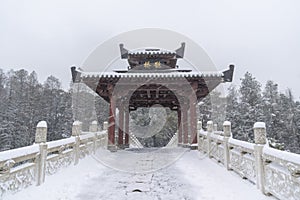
(232, 112)
(102, 110)
(250, 107)
(288, 111)
(218, 108)
(17, 108)
(5, 126)
(83, 103)
(55, 109)
(297, 124)
(34, 96)
(273, 116)
(205, 111)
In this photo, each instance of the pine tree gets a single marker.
(84, 103)
(232, 112)
(56, 109)
(250, 107)
(205, 111)
(271, 112)
(18, 107)
(289, 132)
(5, 126)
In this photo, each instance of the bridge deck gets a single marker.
(190, 177)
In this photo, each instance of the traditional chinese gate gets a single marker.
(152, 77)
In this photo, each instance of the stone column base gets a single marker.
(194, 146)
(112, 148)
(185, 145)
(123, 146)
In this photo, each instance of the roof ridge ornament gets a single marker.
(180, 51)
(152, 58)
(124, 52)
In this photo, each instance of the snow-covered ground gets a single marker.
(190, 177)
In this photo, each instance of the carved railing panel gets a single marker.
(214, 150)
(86, 149)
(18, 166)
(86, 145)
(275, 172)
(282, 176)
(202, 143)
(17, 179)
(221, 153)
(242, 160)
(55, 162)
(217, 147)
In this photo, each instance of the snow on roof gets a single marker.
(150, 51)
(150, 74)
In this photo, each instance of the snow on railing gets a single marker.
(282, 173)
(22, 167)
(274, 172)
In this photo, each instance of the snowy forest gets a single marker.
(25, 102)
(250, 103)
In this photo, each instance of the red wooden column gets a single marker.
(193, 114)
(179, 126)
(126, 144)
(185, 124)
(193, 119)
(111, 126)
(121, 126)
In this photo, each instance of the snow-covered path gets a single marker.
(190, 177)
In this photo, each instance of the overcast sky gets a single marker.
(259, 36)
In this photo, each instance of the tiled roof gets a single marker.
(151, 75)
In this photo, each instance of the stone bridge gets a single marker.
(273, 172)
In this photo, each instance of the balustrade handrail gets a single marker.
(22, 167)
(274, 171)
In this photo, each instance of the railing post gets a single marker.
(105, 127)
(76, 131)
(76, 128)
(199, 128)
(260, 141)
(210, 126)
(215, 127)
(41, 159)
(227, 135)
(94, 128)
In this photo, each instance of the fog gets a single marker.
(261, 37)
